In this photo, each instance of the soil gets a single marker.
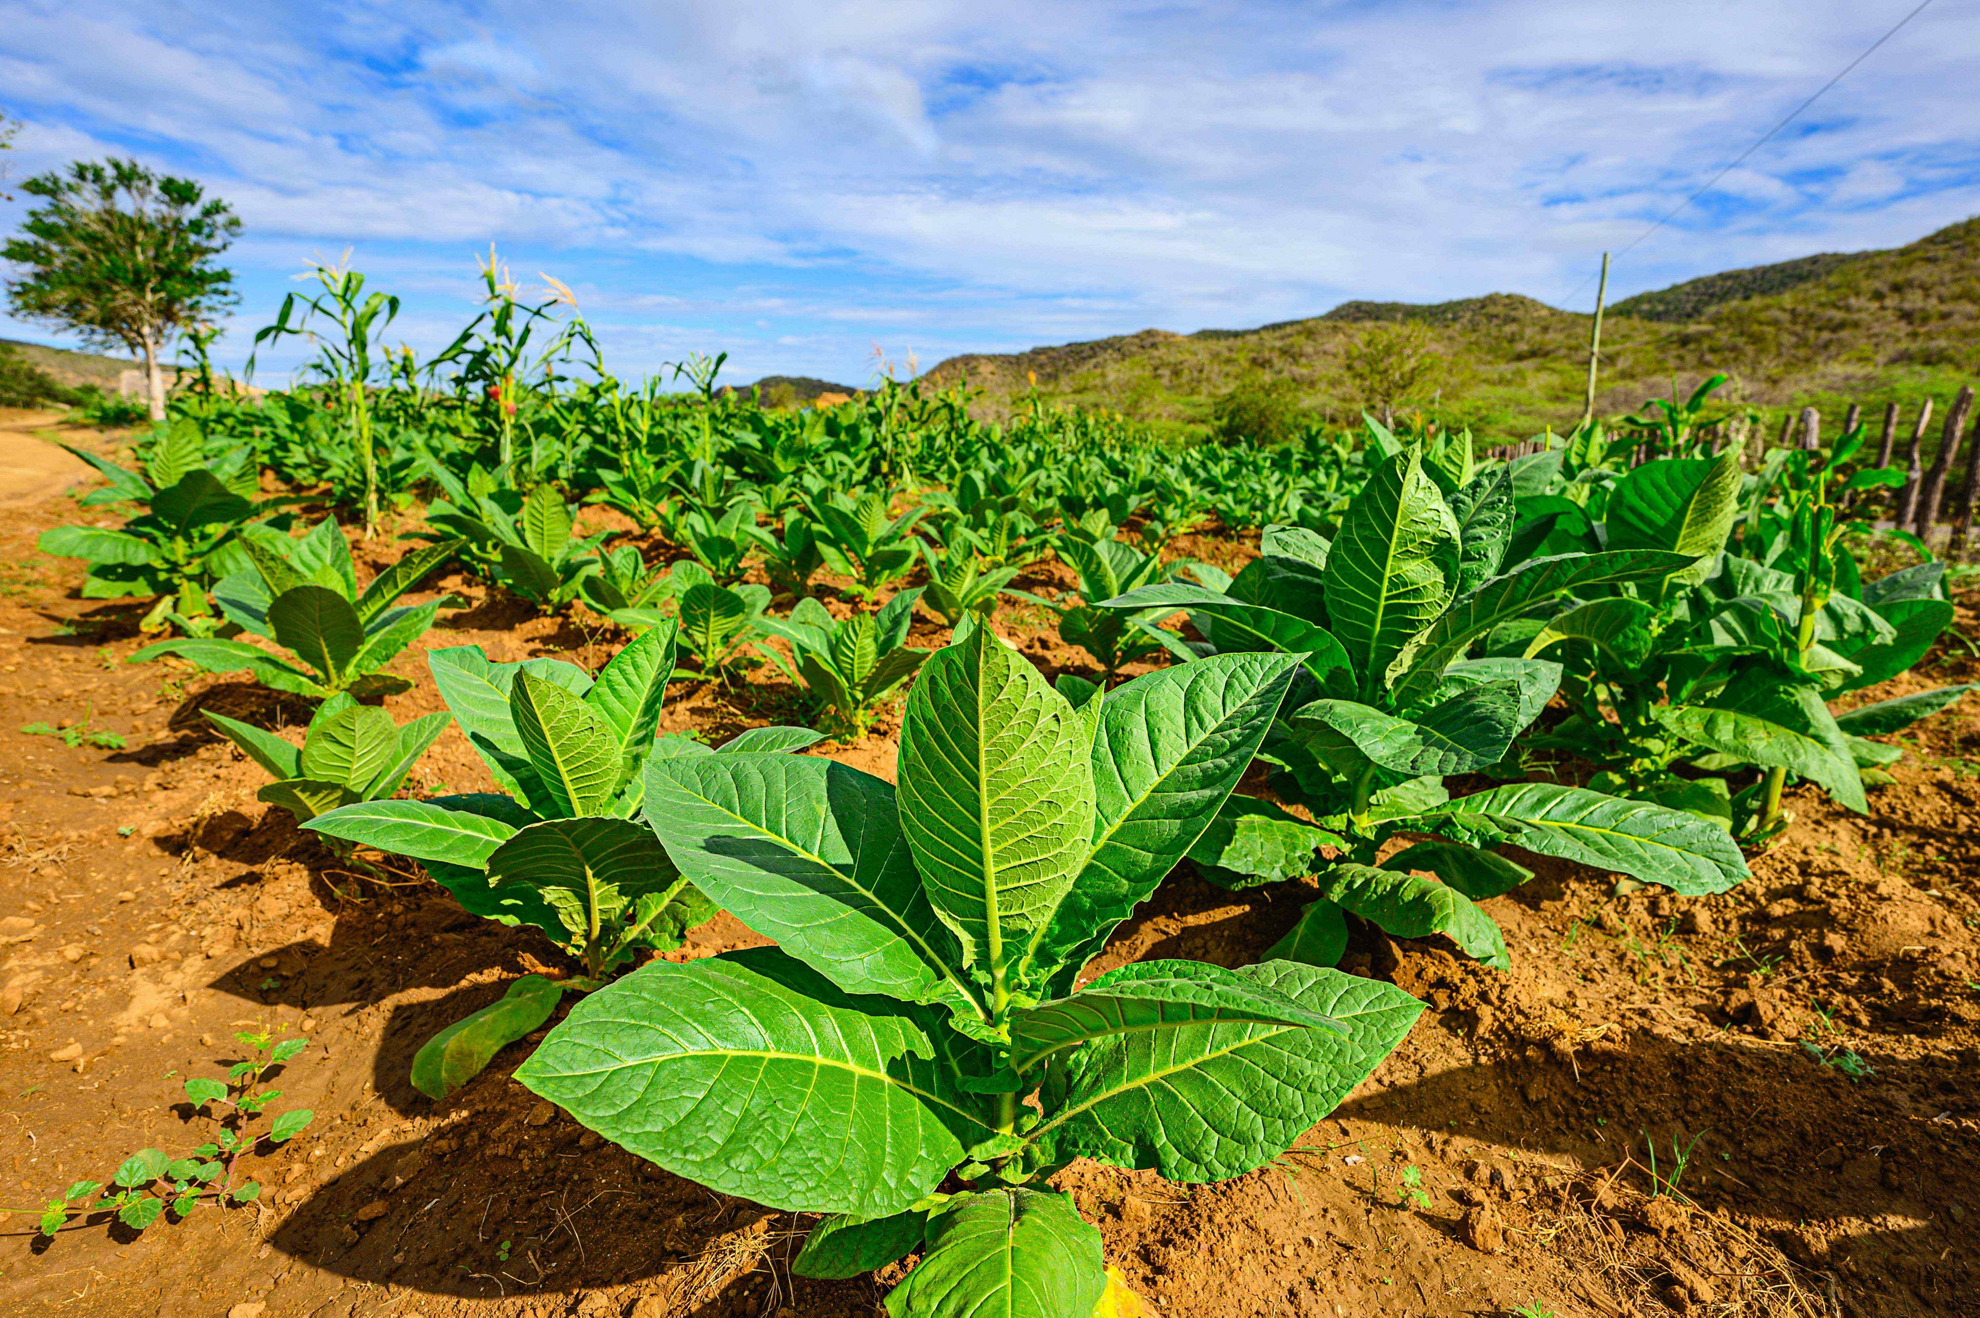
(1799, 1055)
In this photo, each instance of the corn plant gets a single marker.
(558, 847)
(303, 596)
(350, 752)
(861, 540)
(1389, 707)
(197, 516)
(850, 665)
(912, 1057)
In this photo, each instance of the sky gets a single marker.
(800, 183)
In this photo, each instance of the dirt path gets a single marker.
(32, 468)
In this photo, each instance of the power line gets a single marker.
(1765, 138)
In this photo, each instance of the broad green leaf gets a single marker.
(1475, 873)
(546, 521)
(1887, 716)
(463, 1050)
(1918, 624)
(840, 1247)
(572, 749)
(629, 691)
(392, 631)
(1151, 998)
(412, 742)
(196, 500)
(1317, 938)
(1012, 1253)
(1169, 748)
(996, 798)
(1775, 729)
(202, 1090)
(1419, 666)
(352, 747)
(1917, 582)
(220, 656)
(289, 1125)
(1216, 1100)
(603, 863)
(141, 1213)
(1536, 681)
(1252, 842)
(1619, 625)
(95, 544)
(1466, 732)
(810, 853)
(1287, 585)
(529, 573)
(281, 758)
(1405, 906)
(711, 617)
(769, 741)
(1235, 626)
(1393, 567)
(320, 626)
(719, 1071)
(422, 830)
(243, 599)
(1872, 754)
(1485, 512)
(141, 1168)
(1685, 505)
(178, 453)
(1647, 842)
(306, 798)
(402, 576)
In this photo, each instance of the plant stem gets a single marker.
(1358, 811)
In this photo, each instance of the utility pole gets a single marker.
(1595, 341)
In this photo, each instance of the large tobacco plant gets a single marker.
(1387, 707)
(916, 1056)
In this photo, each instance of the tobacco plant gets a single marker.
(625, 589)
(850, 665)
(790, 558)
(1109, 568)
(303, 596)
(196, 517)
(960, 586)
(1387, 708)
(526, 541)
(350, 752)
(861, 540)
(558, 847)
(912, 1057)
(716, 622)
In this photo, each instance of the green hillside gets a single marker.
(71, 368)
(1869, 327)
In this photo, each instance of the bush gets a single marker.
(111, 411)
(1257, 410)
(23, 384)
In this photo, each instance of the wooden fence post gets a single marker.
(1907, 504)
(1889, 437)
(1787, 431)
(1934, 491)
(1851, 417)
(1969, 489)
(1811, 428)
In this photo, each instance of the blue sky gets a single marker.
(796, 182)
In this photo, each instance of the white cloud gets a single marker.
(771, 177)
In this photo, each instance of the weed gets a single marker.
(77, 734)
(1838, 1058)
(1661, 1185)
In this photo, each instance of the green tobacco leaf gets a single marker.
(1485, 511)
(1169, 748)
(1014, 1253)
(629, 691)
(463, 1050)
(1918, 582)
(413, 741)
(841, 1247)
(711, 617)
(1475, 873)
(996, 798)
(1619, 625)
(1252, 842)
(420, 829)
(604, 863)
(1393, 567)
(219, 656)
(352, 746)
(1151, 998)
(529, 574)
(810, 853)
(1918, 624)
(196, 500)
(770, 741)
(1685, 505)
(392, 632)
(724, 1074)
(1419, 667)
(1211, 1101)
(95, 544)
(1645, 841)
(1536, 681)
(402, 576)
(306, 798)
(282, 759)
(1887, 716)
(1466, 732)
(1318, 938)
(1237, 626)
(572, 749)
(1405, 906)
(320, 626)
(1772, 723)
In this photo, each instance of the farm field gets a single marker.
(1755, 1100)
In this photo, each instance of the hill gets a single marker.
(71, 368)
(1827, 329)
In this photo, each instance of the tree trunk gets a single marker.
(1907, 505)
(1933, 493)
(154, 378)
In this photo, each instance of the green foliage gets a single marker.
(150, 1183)
(928, 939)
(959, 586)
(73, 735)
(1379, 619)
(1108, 568)
(303, 596)
(350, 752)
(198, 514)
(1257, 411)
(850, 665)
(860, 539)
(792, 556)
(23, 384)
(526, 542)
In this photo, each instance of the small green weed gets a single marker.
(77, 734)
(1661, 1184)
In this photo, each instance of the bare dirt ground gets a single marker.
(1813, 1039)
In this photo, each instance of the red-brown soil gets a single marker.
(1814, 1032)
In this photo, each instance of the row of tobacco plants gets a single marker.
(1566, 655)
